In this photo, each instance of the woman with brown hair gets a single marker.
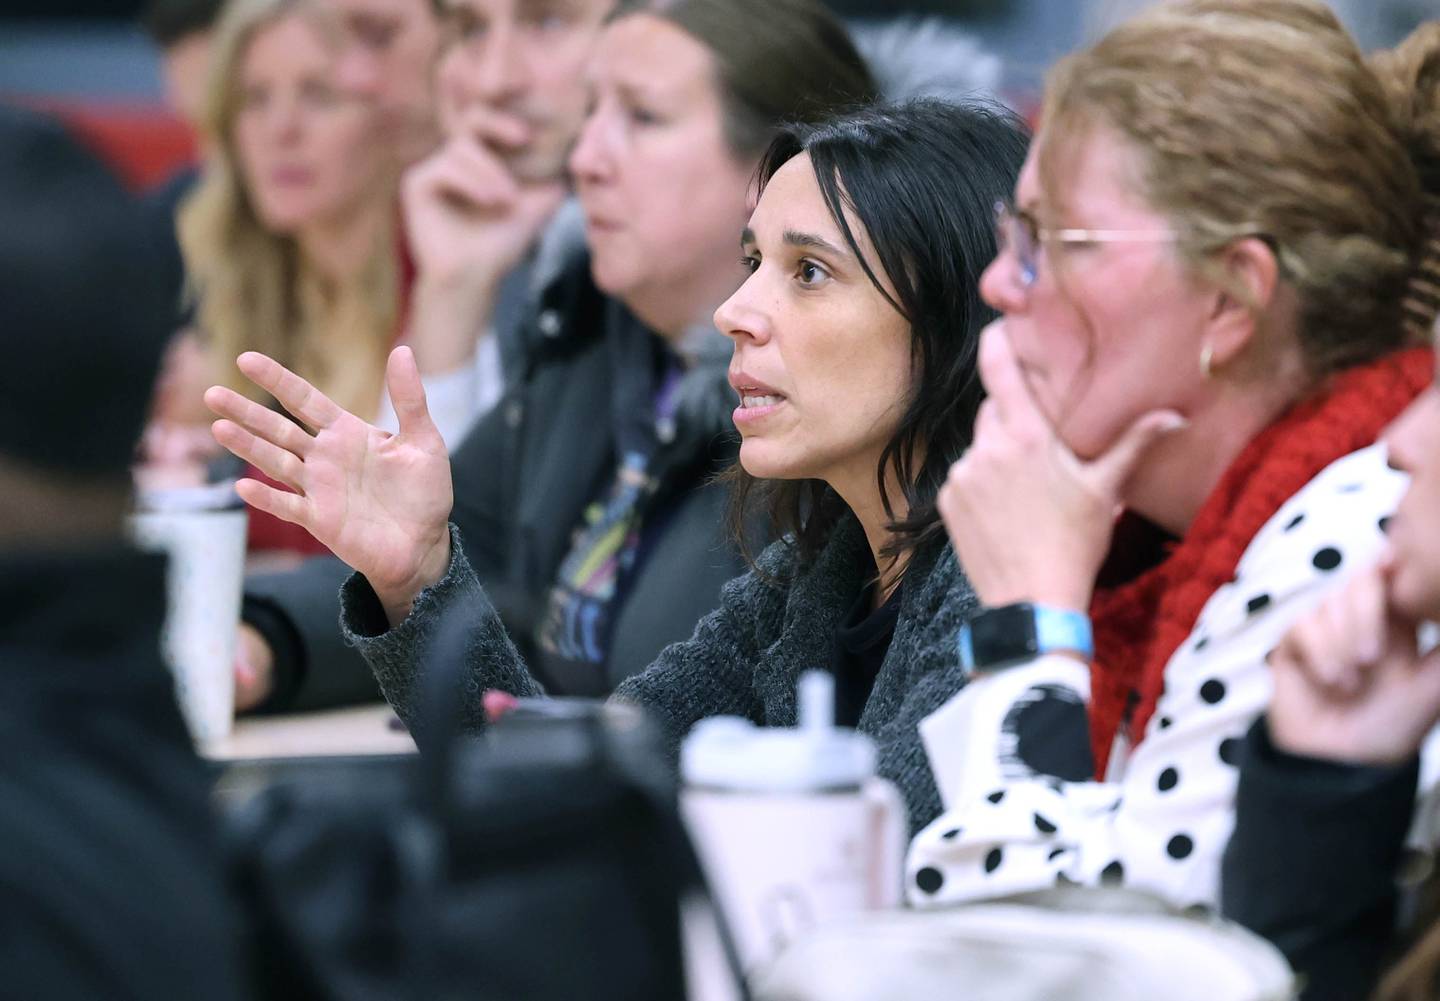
(1203, 286)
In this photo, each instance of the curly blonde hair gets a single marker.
(1263, 118)
(253, 289)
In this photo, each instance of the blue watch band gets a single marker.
(1064, 629)
(1012, 634)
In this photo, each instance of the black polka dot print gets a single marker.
(1113, 874)
(1213, 691)
(1294, 522)
(993, 860)
(996, 796)
(1180, 846)
(1165, 722)
(1044, 826)
(1258, 603)
(1326, 559)
(1055, 853)
(1230, 750)
(951, 834)
(1168, 780)
(1063, 880)
(1202, 643)
(1385, 524)
(929, 879)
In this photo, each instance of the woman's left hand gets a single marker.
(1029, 520)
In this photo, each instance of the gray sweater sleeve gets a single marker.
(706, 675)
(935, 675)
(902, 758)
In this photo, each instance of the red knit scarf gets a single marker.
(1140, 624)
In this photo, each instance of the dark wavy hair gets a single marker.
(923, 178)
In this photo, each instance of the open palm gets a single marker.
(379, 501)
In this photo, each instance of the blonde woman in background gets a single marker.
(290, 239)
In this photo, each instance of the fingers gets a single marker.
(407, 395)
(492, 127)
(254, 668)
(949, 503)
(1306, 652)
(273, 462)
(1427, 681)
(294, 393)
(1014, 406)
(282, 504)
(1361, 612)
(1335, 647)
(987, 420)
(1112, 470)
(462, 116)
(497, 703)
(463, 172)
(258, 420)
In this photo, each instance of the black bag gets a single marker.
(543, 860)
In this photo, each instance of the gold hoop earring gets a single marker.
(1207, 353)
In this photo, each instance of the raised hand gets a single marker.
(469, 222)
(1028, 519)
(1350, 684)
(379, 501)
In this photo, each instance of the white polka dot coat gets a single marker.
(1160, 819)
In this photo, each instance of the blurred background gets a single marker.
(91, 60)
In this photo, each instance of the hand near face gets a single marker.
(1350, 683)
(379, 501)
(1028, 519)
(469, 222)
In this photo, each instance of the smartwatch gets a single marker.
(1002, 637)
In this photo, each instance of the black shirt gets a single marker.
(112, 880)
(1313, 861)
(861, 643)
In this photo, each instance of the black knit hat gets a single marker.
(84, 307)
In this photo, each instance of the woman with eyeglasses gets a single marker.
(1204, 283)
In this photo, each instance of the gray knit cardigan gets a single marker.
(743, 659)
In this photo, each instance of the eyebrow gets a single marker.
(530, 6)
(795, 238)
(638, 91)
(380, 17)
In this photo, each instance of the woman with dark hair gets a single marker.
(854, 343)
(585, 496)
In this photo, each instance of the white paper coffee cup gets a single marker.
(203, 532)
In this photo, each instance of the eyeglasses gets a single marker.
(1019, 231)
